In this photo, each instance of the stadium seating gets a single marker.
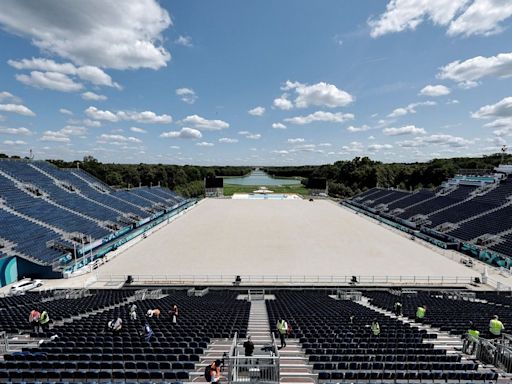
(86, 350)
(42, 203)
(341, 349)
(463, 212)
(448, 314)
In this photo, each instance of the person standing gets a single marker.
(133, 312)
(174, 313)
(398, 308)
(420, 312)
(44, 321)
(33, 319)
(282, 328)
(248, 346)
(495, 327)
(375, 327)
(148, 333)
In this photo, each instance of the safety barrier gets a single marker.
(259, 280)
(256, 369)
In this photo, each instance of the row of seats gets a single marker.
(40, 203)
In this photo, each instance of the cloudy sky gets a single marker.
(261, 82)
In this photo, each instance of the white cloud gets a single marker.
(228, 140)
(320, 94)
(138, 130)
(140, 117)
(320, 116)
(453, 101)
(278, 126)
(257, 111)
(435, 90)
(51, 80)
(401, 15)
(462, 17)
(297, 140)
(93, 96)
(120, 35)
(378, 147)
(325, 145)
(243, 132)
(86, 122)
(48, 67)
(186, 41)
(187, 95)
(174, 147)
(281, 152)
(406, 130)
(17, 108)
(439, 139)
(482, 17)
(467, 73)
(502, 108)
(362, 128)
(411, 108)
(65, 111)
(14, 142)
(55, 136)
(205, 144)
(254, 136)
(354, 146)
(15, 131)
(371, 137)
(4, 95)
(283, 103)
(201, 123)
(183, 133)
(107, 138)
(73, 130)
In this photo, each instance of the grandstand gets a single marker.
(472, 214)
(53, 216)
(328, 269)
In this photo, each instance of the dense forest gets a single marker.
(345, 178)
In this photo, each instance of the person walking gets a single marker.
(248, 346)
(471, 339)
(398, 308)
(375, 327)
(420, 313)
(44, 321)
(282, 328)
(495, 327)
(133, 312)
(33, 319)
(174, 313)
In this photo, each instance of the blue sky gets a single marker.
(263, 82)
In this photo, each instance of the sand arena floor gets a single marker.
(267, 237)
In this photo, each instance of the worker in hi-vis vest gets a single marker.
(375, 327)
(495, 327)
(420, 312)
(471, 339)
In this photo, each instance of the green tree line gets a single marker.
(347, 178)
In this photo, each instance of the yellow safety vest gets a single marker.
(473, 333)
(495, 327)
(281, 327)
(44, 318)
(376, 329)
(420, 312)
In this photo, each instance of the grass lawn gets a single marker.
(299, 189)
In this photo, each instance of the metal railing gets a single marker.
(496, 352)
(259, 368)
(258, 280)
